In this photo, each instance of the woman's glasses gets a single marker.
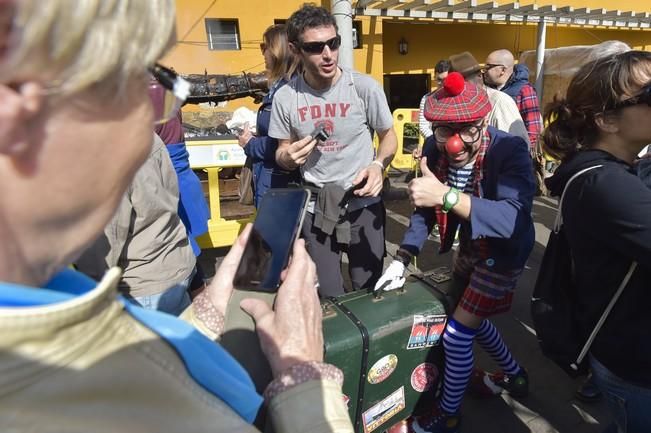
(643, 98)
(317, 47)
(168, 93)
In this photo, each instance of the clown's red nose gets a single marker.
(454, 145)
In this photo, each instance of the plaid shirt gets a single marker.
(527, 102)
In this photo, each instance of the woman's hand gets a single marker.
(221, 286)
(246, 136)
(291, 332)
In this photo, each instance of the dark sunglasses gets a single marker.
(489, 66)
(643, 98)
(317, 47)
(263, 47)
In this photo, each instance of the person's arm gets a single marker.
(423, 218)
(261, 148)
(380, 120)
(291, 155)
(514, 192)
(374, 173)
(530, 112)
(421, 224)
(424, 126)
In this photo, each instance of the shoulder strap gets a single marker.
(558, 222)
(603, 317)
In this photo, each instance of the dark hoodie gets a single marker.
(518, 79)
(607, 218)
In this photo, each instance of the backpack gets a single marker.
(553, 303)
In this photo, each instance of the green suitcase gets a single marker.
(389, 348)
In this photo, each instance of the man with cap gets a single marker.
(478, 179)
(504, 114)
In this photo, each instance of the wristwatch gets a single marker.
(450, 199)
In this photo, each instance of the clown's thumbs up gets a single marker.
(425, 191)
(424, 168)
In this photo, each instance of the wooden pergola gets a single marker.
(473, 10)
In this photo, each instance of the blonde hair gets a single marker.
(284, 63)
(72, 45)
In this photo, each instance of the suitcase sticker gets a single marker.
(424, 377)
(380, 413)
(426, 331)
(382, 369)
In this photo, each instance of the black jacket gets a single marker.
(607, 218)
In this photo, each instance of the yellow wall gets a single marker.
(191, 54)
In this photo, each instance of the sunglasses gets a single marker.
(317, 47)
(263, 47)
(168, 93)
(643, 98)
(489, 66)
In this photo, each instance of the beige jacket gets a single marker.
(85, 365)
(146, 237)
(505, 115)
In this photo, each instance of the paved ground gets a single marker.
(550, 406)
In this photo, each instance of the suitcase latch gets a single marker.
(440, 275)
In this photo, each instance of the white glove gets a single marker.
(393, 278)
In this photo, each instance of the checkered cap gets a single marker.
(470, 105)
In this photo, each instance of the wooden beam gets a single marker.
(504, 9)
(485, 7)
(363, 3)
(440, 6)
(414, 4)
(389, 3)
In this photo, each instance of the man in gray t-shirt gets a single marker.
(349, 106)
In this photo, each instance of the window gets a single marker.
(357, 34)
(223, 34)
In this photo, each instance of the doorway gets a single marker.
(405, 90)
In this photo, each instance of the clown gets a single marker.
(477, 180)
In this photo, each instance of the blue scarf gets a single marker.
(206, 361)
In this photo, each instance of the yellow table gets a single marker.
(211, 155)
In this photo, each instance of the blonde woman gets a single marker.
(280, 64)
(76, 124)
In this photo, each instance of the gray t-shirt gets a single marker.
(348, 109)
